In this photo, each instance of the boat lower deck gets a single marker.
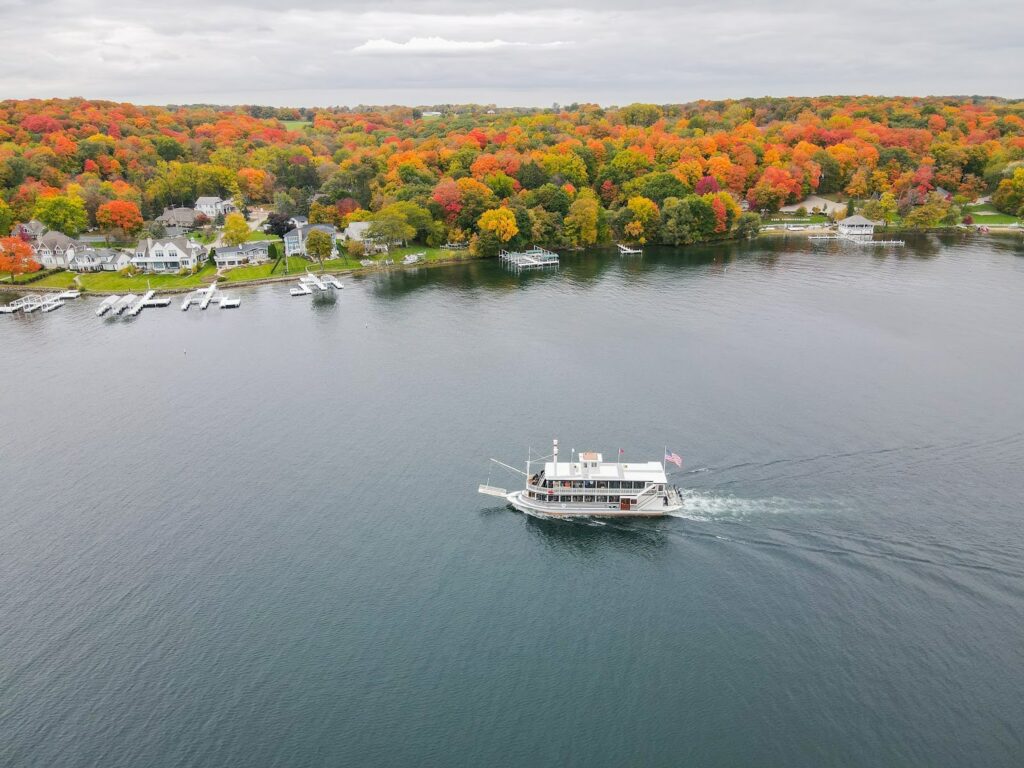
(654, 508)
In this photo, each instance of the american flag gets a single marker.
(674, 458)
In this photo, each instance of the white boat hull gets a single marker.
(655, 507)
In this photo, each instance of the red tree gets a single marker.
(119, 214)
(16, 257)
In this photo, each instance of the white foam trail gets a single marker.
(705, 506)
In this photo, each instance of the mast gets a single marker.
(554, 452)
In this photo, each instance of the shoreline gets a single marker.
(350, 272)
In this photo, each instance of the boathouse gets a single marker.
(857, 226)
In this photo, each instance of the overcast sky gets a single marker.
(522, 53)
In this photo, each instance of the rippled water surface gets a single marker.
(253, 538)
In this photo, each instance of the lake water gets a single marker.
(253, 538)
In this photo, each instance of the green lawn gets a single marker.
(296, 125)
(296, 266)
(987, 214)
(256, 236)
(112, 282)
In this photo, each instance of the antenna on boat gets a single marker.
(554, 452)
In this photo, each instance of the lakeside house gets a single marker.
(298, 221)
(247, 253)
(54, 250)
(90, 259)
(857, 226)
(212, 207)
(359, 231)
(177, 221)
(295, 239)
(167, 255)
(29, 231)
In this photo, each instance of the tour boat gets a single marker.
(588, 486)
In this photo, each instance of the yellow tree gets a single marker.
(500, 221)
(236, 231)
(644, 225)
(581, 223)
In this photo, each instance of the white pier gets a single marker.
(51, 303)
(140, 304)
(534, 258)
(106, 305)
(414, 258)
(21, 303)
(227, 302)
(123, 303)
(625, 250)
(32, 303)
(310, 282)
(856, 240)
(208, 295)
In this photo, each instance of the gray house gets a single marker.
(295, 240)
(246, 253)
(180, 220)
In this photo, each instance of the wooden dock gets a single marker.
(534, 258)
(625, 250)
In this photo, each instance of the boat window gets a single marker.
(564, 499)
(589, 499)
(578, 499)
(602, 484)
(613, 498)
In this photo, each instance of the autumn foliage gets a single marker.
(562, 178)
(16, 257)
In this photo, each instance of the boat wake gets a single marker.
(705, 506)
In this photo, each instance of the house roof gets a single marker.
(254, 247)
(55, 239)
(177, 216)
(208, 201)
(183, 243)
(304, 231)
(357, 229)
(857, 219)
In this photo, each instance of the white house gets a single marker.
(115, 259)
(857, 226)
(295, 240)
(356, 230)
(86, 260)
(213, 207)
(54, 250)
(246, 253)
(167, 255)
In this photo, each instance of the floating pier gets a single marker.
(413, 258)
(227, 302)
(534, 258)
(625, 250)
(310, 282)
(123, 303)
(855, 240)
(208, 295)
(51, 303)
(140, 304)
(21, 304)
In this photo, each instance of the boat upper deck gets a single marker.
(647, 472)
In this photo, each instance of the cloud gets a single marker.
(417, 46)
(330, 52)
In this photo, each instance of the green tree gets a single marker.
(236, 230)
(6, 218)
(390, 229)
(748, 225)
(63, 213)
(581, 224)
(319, 246)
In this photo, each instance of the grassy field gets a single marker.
(255, 236)
(112, 282)
(296, 266)
(296, 125)
(987, 214)
(811, 218)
